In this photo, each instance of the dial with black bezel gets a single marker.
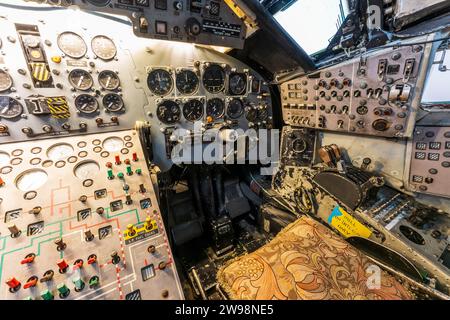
(214, 78)
(215, 108)
(86, 103)
(109, 80)
(72, 44)
(113, 102)
(237, 84)
(160, 82)
(81, 79)
(103, 47)
(235, 108)
(10, 108)
(6, 81)
(168, 112)
(187, 81)
(193, 110)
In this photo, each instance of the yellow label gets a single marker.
(347, 225)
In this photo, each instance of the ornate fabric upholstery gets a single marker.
(306, 261)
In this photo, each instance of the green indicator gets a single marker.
(120, 175)
(110, 174)
(138, 171)
(47, 295)
(129, 171)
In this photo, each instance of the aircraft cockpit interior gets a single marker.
(224, 150)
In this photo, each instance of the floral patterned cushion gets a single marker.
(306, 261)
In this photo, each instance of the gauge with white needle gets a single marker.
(113, 144)
(60, 151)
(31, 180)
(109, 80)
(113, 102)
(86, 169)
(81, 79)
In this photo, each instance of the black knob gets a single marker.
(193, 27)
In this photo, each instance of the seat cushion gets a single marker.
(307, 261)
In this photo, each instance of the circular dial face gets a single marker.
(193, 110)
(60, 151)
(187, 81)
(235, 108)
(168, 112)
(113, 144)
(215, 108)
(160, 82)
(113, 102)
(238, 84)
(31, 41)
(251, 114)
(214, 78)
(103, 47)
(86, 169)
(31, 180)
(10, 107)
(109, 80)
(86, 103)
(299, 145)
(81, 79)
(5, 81)
(72, 44)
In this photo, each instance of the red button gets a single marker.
(117, 160)
(135, 157)
(62, 264)
(13, 282)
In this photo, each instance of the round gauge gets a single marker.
(235, 108)
(160, 82)
(187, 81)
(31, 41)
(299, 145)
(60, 151)
(86, 103)
(10, 107)
(99, 3)
(31, 180)
(214, 78)
(168, 112)
(72, 44)
(109, 80)
(4, 158)
(215, 108)
(113, 102)
(5, 81)
(86, 169)
(81, 79)
(113, 144)
(251, 114)
(237, 84)
(103, 47)
(193, 110)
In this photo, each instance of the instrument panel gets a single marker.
(59, 80)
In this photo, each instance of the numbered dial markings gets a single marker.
(113, 102)
(81, 79)
(103, 47)
(193, 110)
(72, 44)
(187, 81)
(215, 108)
(109, 80)
(237, 84)
(214, 78)
(168, 112)
(160, 82)
(235, 108)
(86, 103)
(5, 81)
(10, 108)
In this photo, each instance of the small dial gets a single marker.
(109, 80)
(87, 169)
(187, 81)
(237, 84)
(299, 145)
(10, 108)
(215, 108)
(235, 108)
(168, 112)
(193, 110)
(31, 41)
(214, 78)
(103, 47)
(5, 81)
(251, 114)
(86, 103)
(113, 102)
(72, 44)
(81, 79)
(60, 151)
(160, 82)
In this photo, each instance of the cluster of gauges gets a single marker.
(169, 111)
(73, 45)
(160, 81)
(109, 80)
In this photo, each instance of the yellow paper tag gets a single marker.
(347, 225)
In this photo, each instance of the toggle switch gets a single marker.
(129, 171)
(88, 235)
(130, 230)
(13, 284)
(31, 282)
(92, 259)
(48, 276)
(110, 174)
(60, 244)
(78, 283)
(117, 160)
(15, 231)
(29, 258)
(142, 188)
(128, 200)
(135, 157)
(62, 264)
(115, 259)
(94, 281)
(78, 264)
(148, 223)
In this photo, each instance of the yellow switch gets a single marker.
(130, 230)
(56, 59)
(148, 223)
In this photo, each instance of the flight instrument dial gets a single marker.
(193, 110)
(81, 79)
(86, 103)
(5, 81)
(72, 44)
(187, 81)
(237, 84)
(109, 80)
(10, 108)
(113, 102)
(103, 47)
(215, 108)
(214, 78)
